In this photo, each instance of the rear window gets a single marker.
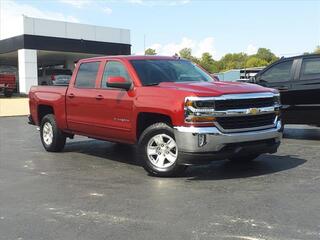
(87, 74)
(58, 72)
(61, 80)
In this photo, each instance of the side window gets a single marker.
(280, 72)
(114, 69)
(310, 69)
(87, 74)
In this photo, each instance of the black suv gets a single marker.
(298, 80)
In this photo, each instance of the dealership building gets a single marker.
(39, 43)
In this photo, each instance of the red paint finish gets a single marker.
(8, 82)
(111, 113)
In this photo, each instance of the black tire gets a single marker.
(7, 93)
(146, 136)
(244, 158)
(58, 137)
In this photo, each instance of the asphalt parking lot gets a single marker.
(95, 190)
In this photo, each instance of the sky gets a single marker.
(285, 27)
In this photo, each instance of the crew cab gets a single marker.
(172, 109)
(298, 80)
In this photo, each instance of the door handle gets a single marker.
(99, 97)
(71, 95)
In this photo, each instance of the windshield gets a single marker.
(153, 72)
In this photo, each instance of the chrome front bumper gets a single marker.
(211, 139)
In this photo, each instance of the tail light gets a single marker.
(53, 77)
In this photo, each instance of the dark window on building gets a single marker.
(87, 74)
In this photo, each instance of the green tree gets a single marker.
(317, 50)
(233, 61)
(150, 51)
(207, 62)
(186, 53)
(266, 54)
(256, 62)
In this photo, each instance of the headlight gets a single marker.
(276, 99)
(199, 111)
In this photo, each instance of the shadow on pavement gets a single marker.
(265, 164)
(302, 133)
(123, 153)
(217, 170)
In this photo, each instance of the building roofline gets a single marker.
(26, 41)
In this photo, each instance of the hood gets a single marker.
(216, 88)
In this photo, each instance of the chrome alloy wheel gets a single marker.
(47, 133)
(162, 151)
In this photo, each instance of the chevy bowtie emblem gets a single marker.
(253, 111)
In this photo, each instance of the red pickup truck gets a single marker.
(172, 109)
(7, 84)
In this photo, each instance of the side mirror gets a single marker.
(118, 82)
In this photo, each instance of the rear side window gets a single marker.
(280, 72)
(114, 69)
(310, 69)
(87, 74)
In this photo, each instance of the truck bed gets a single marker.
(54, 96)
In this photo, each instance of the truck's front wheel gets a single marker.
(159, 151)
(52, 138)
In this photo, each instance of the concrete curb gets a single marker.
(14, 107)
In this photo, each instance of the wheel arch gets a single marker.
(146, 119)
(43, 110)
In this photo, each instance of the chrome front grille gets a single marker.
(245, 122)
(235, 112)
(222, 105)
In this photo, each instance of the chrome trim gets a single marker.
(211, 112)
(236, 130)
(187, 137)
(236, 112)
(235, 96)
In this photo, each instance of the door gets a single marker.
(116, 105)
(279, 76)
(306, 90)
(81, 100)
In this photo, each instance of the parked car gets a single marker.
(7, 84)
(298, 80)
(8, 80)
(54, 76)
(173, 110)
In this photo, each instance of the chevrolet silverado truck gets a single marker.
(172, 109)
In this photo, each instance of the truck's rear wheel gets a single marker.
(159, 151)
(52, 138)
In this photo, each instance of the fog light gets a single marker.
(202, 140)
